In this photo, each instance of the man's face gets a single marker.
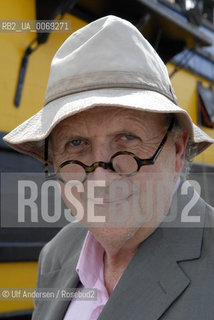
(129, 204)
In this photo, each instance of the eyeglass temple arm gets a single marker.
(164, 140)
(154, 157)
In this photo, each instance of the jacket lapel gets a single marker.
(62, 279)
(65, 277)
(153, 279)
(149, 285)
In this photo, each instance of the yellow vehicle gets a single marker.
(31, 31)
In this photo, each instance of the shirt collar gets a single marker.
(90, 261)
(176, 185)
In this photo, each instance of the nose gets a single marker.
(101, 152)
(105, 175)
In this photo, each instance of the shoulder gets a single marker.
(208, 238)
(67, 243)
(210, 216)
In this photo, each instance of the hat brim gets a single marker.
(28, 138)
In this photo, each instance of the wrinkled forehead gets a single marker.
(112, 117)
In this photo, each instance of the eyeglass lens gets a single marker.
(72, 171)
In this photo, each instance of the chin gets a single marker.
(113, 236)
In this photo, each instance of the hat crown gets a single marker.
(107, 53)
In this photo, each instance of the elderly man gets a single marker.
(117, 140)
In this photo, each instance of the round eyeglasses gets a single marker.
(123, 163)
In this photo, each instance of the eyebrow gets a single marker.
(81, 136)
(122, 131)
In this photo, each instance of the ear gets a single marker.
(180, 148)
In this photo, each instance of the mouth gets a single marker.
(110, 202)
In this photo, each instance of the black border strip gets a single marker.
(4, 145)
(17, 252)
(17, 315)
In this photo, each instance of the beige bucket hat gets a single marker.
(106, 63)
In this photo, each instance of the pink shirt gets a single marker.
(90, 271)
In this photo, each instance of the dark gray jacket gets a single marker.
(171, 276)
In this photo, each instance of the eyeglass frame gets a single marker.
(106, 165)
